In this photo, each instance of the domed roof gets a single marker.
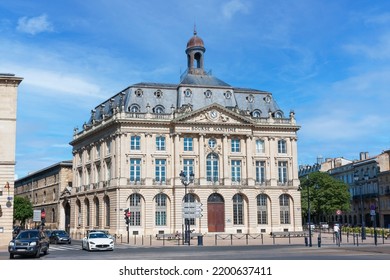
(195, 41)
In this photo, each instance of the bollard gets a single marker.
(319, 241)
(306, 243)
(200, 240)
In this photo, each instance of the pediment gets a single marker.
(214, 114)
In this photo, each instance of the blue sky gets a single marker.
(329, 61)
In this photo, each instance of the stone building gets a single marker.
(45, 189)
(8, 108)
(240, 146)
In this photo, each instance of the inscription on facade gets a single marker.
(213, 129)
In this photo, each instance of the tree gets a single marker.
(327, 195)
(23, 210)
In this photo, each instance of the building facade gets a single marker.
(237, 142)
(8, 109)
(45, 188)
(368, 180)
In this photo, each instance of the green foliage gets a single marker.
(23, 210)
(327, 195)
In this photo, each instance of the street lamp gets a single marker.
(308, 212)
(186, 180)
(356, 179)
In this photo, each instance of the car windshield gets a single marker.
(61, 233)
(27, 235)
(97, 235)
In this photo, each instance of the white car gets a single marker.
(97, 241)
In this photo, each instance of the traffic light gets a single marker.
(43, 217)
(127, 216)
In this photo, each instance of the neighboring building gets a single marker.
(45, 188)
(369, 185)
(384, 189)
(238, 143)
(8, 108)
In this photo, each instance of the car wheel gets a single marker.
(11, 256)
(38, 254)
(69, 242)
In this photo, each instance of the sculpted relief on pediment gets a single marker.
(214, 116)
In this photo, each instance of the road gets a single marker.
(259, 252)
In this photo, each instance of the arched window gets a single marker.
(159, 109)
(87, 213)
(78, 209)
(256, 113)
(161, 210)
(53, 215)
(107, 211)
(212, 161)
(238, 210)
(134, 108)
(135, 209)
(284, 203)
(97, 211)
(262, 211)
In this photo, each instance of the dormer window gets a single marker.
(256, 113)
(278, 115)
(158, 93)
(159, 109)
(208, 93)
(187, 92)
(250, 98)
(267, 99)
(227, 94)
(134, 108)
(138, 92)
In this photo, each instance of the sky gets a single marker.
(327, 60)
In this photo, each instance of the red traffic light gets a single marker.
(43, 214)
(128, 214)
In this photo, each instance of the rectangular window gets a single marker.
(135, 143)
(135, 170)
(282, 172)
(260, 172)
(160, 171)
(235, 145)
(282, 147)
(160, 143)
(188, 144)
(188, 167)
(108, 146)
(260, 149)
(236, 170)
(98, 151)
(284, 216)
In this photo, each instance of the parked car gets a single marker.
(59, 236)
(97, 241)
(324, 225)
(31, 242)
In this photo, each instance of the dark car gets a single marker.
(60, 236)
(30, 242)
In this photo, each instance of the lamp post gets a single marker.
(308, 212)
(356, 179)
(186, 180)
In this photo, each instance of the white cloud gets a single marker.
(233, 7)
(34, 25)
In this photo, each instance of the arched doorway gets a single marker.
(216, 213)
(67, 217)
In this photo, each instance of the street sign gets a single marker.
(37, 216)
(192, 210)
(372, 212)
